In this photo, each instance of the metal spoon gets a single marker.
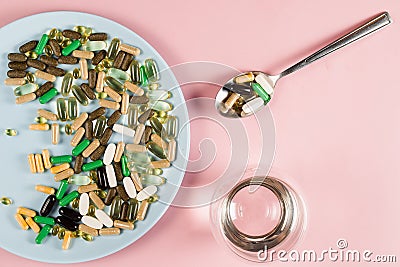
(247, 93)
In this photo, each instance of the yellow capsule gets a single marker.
(59, 38)
(55, 230)
(68, 129)
(93, 176)
(101, 95)
(40, 120)
(75, 203)
(162, 114)
(39, 127)
(6, 201)
(32, 224)
(39, 163)
(100, 67)
(45, 189)
(76, 73)
(87, 237)
(66, 43)
(83, 30)
(10, 132)
(107, 63)
(31, 54)
(48, 51)
(163, 120)
(30, 77)
(53, 33)
(76, 234)
(61, 233)
(26, 212)
(21, 221)
(46, 159)
(102, 194)
(92, 210)
(32, 163)
(59, 168)
(153, 198)
(84, 39)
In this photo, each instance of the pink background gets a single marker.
(337, 125)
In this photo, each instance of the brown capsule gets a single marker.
(99, 36)
(106, 136)
(89, 130)
(126, 62)
(55, 47)
(16, 65)
(55, 71)
(78, 164)
(88, 91)
(122, 193)
(118, 171)
(110, 196)
(16, 73)
(146, 135)
(44, 89)
(92, 78)
(70, 60)
(98, 153)
(97, 113)
(71, 34)
(50, 61)
(37, 64)
(145, 116)
(124, 211)
(119, 59)
(29, 46)
(99, 57)
(87, 188)
(63, 175)
(160, 164)
(139, 100)
(114, 118)
(17, 57)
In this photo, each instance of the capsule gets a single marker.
(25, 98)
(99, 127)
(39, 127)
(27, 212)
(141, 214)
(171, 128)
(67, 222)
(68, 198)
(109, 154)
(78, 136)
(59, 168)
(104, 218)
(124, 225)
(32, 224)
(129, 187)
(94, 46)
(96, 200)
(130, 49)
(102, 176)
(62, 189)
(110, 196)
(79, 180)
(68, 129)
(119, 151)
(72, 108)
(91, 148)
(42, 43)
(43, 234)
(133, 88)
(85, 188)
(84, 69)
(80, 147)
(158, 95)
(61, 159)
(48, 205)
(22, 223)
(116, 208)
(78, 122)
(55, 133)
(109, 104)
(71, 47)
(132, 209)
(171, 156)
(84, 204)
(70, 213)
(160, 106)
(113, 94)
(66, 241)
(62, 109)
(124, 103)
(45, 189)
(25, 89)
(135, 72)
(49, 95)
(15, 81)
(63, 175)
(114, 84)
(137, 182)
(44, 220)
(92, 165)
(111, 177)
(151, 70)
(143, 76)
(80, 95)
(133, 113)
(156, 125)
(39, 163)
(92, 222)
(88, 230)
(32, 163)
(100, 81)
(148, 179)
(118, 74)
(66, 84)
(121, 129)
(253, 105)
(160, 164)
(124, 211)
(48, 115)
(159, 141)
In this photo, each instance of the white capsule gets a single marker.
(121, 129)
(112, 179)
(109, 154)
(84, 204)
(146, 193)
(129, 187)
(92, 222)
(104, 218)
(253, 106)
(265, 83)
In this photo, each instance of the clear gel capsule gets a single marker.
(94, 46)
(25, 89)
(113, 48)
(79, 180)
(135, 72)
(160, 105)
(171, 128)
(80, 95)
(66, 84)
(99, 127)
(62, 109)
(158, 94)
(148, 179)
(118, 74)
(151, 70)
(114, 84)
(133, 114)
(72, 108)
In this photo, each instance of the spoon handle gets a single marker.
(364, 30)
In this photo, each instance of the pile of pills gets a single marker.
(103, 186)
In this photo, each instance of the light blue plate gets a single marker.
(16, 180)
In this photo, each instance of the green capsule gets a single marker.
(92, 210)
(68, 198)
(94, 46)
(99, 127)
(66, 84)
(76, 73)
(132, 209)
(61, 159)
(68, 129)
(62, 109)
(44, 232)
(133, 114)
(61, 234)
(10, 132)
(80, 147)
(156, 125)
(30, 77)
(62, 189)
(261, 92)
(71, 47)
(171, 128)
(75, 203)
(143, 76)
(156, 150)
(153, 198)
(48, 96)
(148, 179)
(124, 167)
(151, 70)
(44, 220)
(40, 120)
(158, 94)
(72, 108)
(87, 237)
(118, 74)
(79, 180)
(42, 43)
(80, 95)
(135, 72)
(114, 84)
(53, 33)
(160, 105)
(25, 89)
(55, 230)
(113, 48)
(92, 165)
(6, 201)
(83, 30)
(115, 208)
